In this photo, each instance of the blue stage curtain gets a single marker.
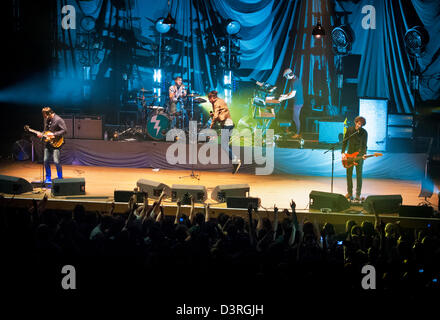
(385, 66)
(275, 34)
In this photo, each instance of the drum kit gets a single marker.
(158, 120)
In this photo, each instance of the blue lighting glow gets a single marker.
(157, 76)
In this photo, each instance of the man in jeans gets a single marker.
(56, 127)
(357, 143)
(221, 115)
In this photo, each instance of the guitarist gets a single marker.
(221, 115)
(357, 143)
(57, 127)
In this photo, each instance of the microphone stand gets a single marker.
(332, 149)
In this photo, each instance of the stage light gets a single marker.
(83, 60)
(161, 26)
(167, 61)
(96, 60)
(233, 27)
(342, 38)
(318, 30)
(416, 40)
(167, 48)
(222, 48)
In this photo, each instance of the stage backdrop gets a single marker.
(274, 34)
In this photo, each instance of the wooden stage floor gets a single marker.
(272, 189)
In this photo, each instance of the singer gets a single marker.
(357, 143)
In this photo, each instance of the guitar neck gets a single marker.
(33, 131)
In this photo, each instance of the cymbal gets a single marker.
(199, 100)
(145, 90)
(193, 95)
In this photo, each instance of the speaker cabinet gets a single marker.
(14, 185)
(221, 192)
(181, 191)
(88, 127)
(334, 201)
(68, 187)
(153, 188)
(68, 119)
(383, 204)
(242, 202)
(416, 211)
(125, 195)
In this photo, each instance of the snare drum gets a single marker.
(158, 124)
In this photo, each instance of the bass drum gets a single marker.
(158, 124)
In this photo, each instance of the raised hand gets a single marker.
(131, 202)
(162, 195)
(42, 204)
(112, 208)
(292, 205)
(207, 207)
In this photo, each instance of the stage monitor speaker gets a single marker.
(242, 202)
(183, 191)
(68, 119)
(221, 192)
(153, 188)
(334, 201)
(68, 187)
(125, 195)
(14, 185)
(416, 211)
(383, 204)
(88, 127)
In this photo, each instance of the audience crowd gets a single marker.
(172, 255)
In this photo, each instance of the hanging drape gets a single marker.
(275, 34)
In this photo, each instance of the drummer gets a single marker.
(176, 92)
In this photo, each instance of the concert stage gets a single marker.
(272, 189)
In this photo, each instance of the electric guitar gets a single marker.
(353, 158)
(55, 142)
